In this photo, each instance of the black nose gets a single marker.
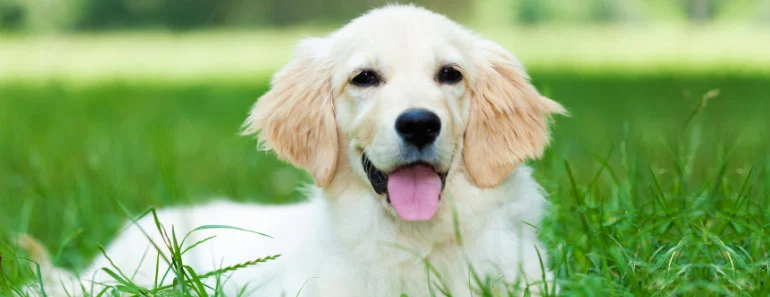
(419, 127)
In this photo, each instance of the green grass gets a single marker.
(649, 198)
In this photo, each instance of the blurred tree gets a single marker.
(596, 11)
(38, 15)
(192, 14)
(173, 14)
(11, 15)
(701, 10)
(189, 14)
(533, 11)
(243, 13)
(42, 15)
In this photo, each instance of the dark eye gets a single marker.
(449, 75)
(366, 78)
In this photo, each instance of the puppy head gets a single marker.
(403, 97)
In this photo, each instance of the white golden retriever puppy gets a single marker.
(415, 130)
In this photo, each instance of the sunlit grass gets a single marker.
(149, 56)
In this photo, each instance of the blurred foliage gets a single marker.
(76, 15)
(602, 11)
(191, 14)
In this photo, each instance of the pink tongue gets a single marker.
(414, 192)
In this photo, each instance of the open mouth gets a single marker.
(413, 189)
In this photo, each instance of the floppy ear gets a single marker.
(508, 121)
(296, 117)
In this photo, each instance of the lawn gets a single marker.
(92, 58)
(659, 184)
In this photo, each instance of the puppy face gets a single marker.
(399, 96)
(403, 107)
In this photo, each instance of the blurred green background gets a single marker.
(139, 102)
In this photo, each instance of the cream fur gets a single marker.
(346, 240)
